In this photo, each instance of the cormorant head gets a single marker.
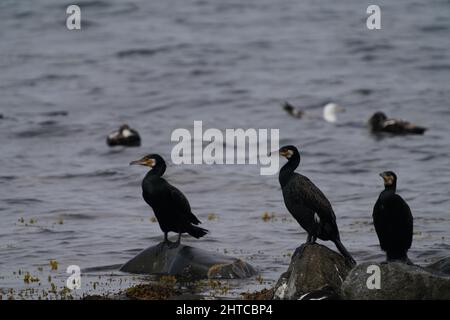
(288, 151)
(150, 160)
(330, 111)
(390, 178)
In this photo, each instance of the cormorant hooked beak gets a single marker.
(148, 162)
(281, 153)
(287, 153)
(387, 178)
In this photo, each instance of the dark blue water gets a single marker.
(160, 65)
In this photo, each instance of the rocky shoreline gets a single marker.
(314, 273)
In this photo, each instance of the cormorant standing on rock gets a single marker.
(171, 208)
(393, 220)
(307, 204)
(125, 136)
(380, 123)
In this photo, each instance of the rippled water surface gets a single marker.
(160, 65)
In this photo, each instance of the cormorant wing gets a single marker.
(403, 218)
(314, 198)
(180, 201)
(393, 220)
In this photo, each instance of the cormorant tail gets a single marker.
(344, 251)
(196, 232)
(193, 219)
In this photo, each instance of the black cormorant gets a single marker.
(380, 123)
(393, 220)
(171, 208)
(125, 136)
(307, 204)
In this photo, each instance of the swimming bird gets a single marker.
(171, 208)
(307, 204)
(125, 136)
(393, 220)
(330, 111)
(380, 123)
(292, 111)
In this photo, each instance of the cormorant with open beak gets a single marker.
(307, 204)
(171, 208)
(393, 220)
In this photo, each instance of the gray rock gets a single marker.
(398, 281)
(440, 267)
(314, 271)
(188, 263)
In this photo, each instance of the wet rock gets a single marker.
(151, 292)
(315, 272)
(398, 281)
(188, 263)
(440, 267)
(264, 294)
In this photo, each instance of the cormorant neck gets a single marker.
(158, 170)
(392, 188)
(289, 168)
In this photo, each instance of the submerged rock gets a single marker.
(398, 281)
(441, 267)
(188, 263)
(315, 272)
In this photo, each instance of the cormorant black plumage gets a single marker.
(307, 204)
(171, 208)
(393, 220)
(380, 123)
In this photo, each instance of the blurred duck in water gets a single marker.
(329, 111)
(125, 136)
(380, 123)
